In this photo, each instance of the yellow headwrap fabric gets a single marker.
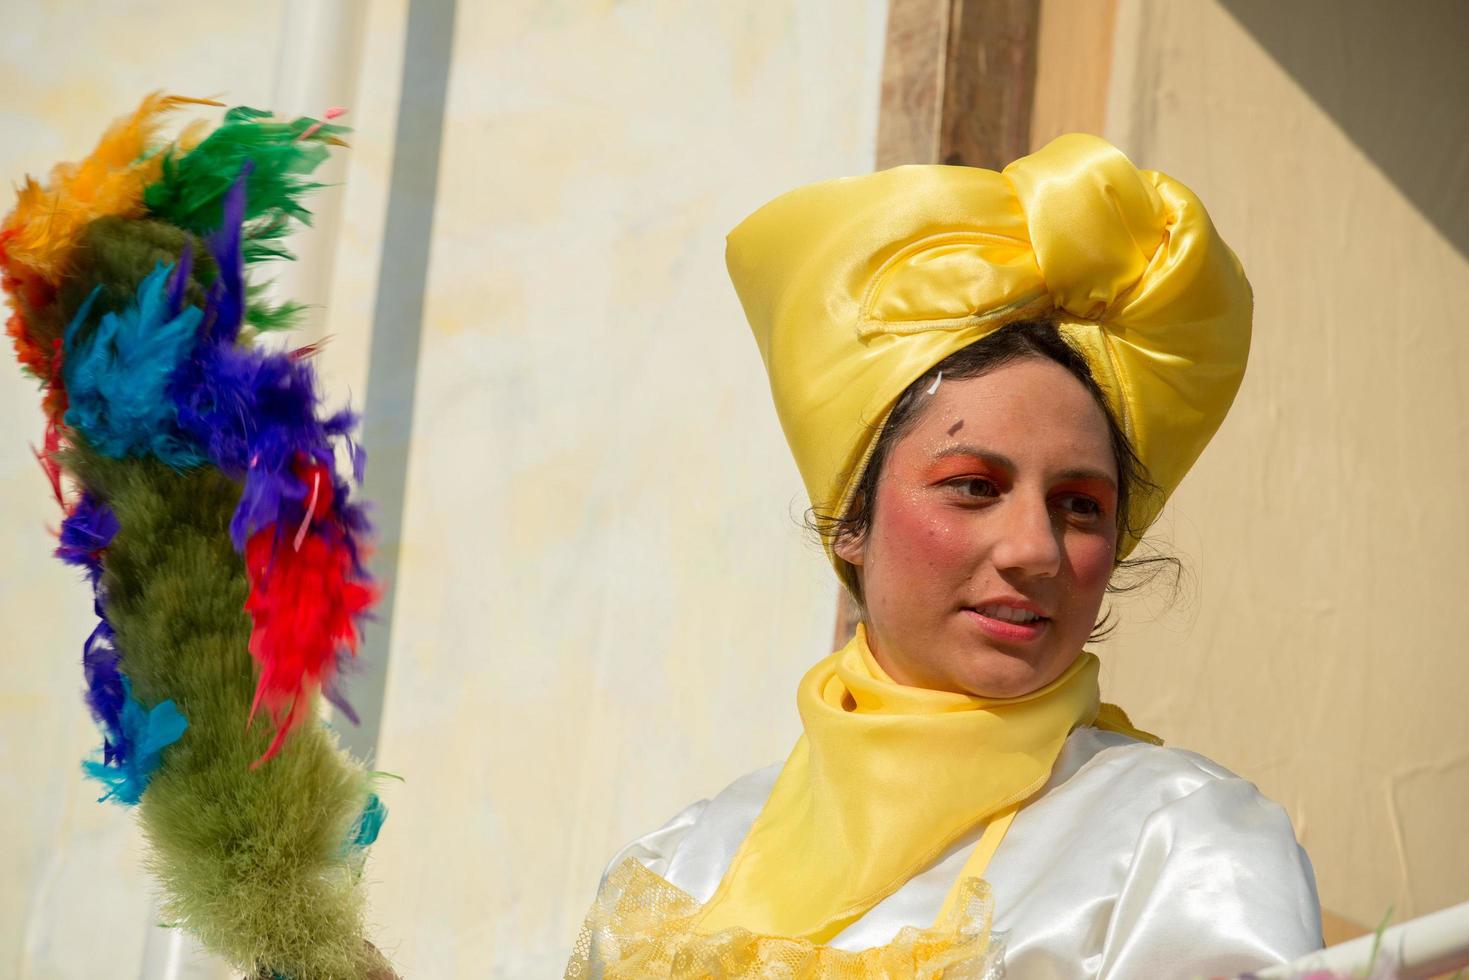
(856, 287)
(883, 780)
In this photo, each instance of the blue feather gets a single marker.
(370, 823)
(146, 732)
(117, 375)
(363, 833)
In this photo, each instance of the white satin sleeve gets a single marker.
(692, 850)
(1140, 862)
(655, 850)
(1216, 886)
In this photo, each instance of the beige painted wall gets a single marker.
(604, 602)
(1319, 650)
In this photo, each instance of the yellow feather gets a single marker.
(42, 229)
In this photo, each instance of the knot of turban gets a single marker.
(857, 287)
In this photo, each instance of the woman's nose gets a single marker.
(1027, 541)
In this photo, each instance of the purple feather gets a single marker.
(180, 280)
(226, 298)
(89, 528)
(106, 695)
(359, 460)
(85, 533)
(353, 517)
(332, 689)
(255, 414)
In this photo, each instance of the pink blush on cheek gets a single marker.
(1090, 557)
(920, 531)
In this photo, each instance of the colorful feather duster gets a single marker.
(221, 544)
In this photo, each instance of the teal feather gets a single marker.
(117, 375)
(370, 823)
(149, 732)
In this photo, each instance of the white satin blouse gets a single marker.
(1134, 862)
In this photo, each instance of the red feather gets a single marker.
(46, 456)
(28, 291)
(305, 599)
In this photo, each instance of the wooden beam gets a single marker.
(989, 78)
(957, 82)
(912, 82)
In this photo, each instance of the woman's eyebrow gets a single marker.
(1086, 474)
(966, 449)
(1000, 461)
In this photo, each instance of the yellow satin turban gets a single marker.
(857, 287)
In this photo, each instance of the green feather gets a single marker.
(192, 188)
(266, 317)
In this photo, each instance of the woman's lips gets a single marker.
(1007, 632)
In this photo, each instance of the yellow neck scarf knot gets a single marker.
(884, 779)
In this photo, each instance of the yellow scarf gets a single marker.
(885, 778)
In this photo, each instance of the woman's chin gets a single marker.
(1000, 687)
(1000, 674)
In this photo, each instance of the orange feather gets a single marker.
(48, 218)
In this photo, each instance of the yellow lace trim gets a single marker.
(641, 927)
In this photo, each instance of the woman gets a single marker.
(991, 383)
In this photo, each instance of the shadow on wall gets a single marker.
(1394, 77)
(397, 327)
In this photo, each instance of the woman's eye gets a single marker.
(974, 486)
(1081, 506)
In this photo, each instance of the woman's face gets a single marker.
(993, 534)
